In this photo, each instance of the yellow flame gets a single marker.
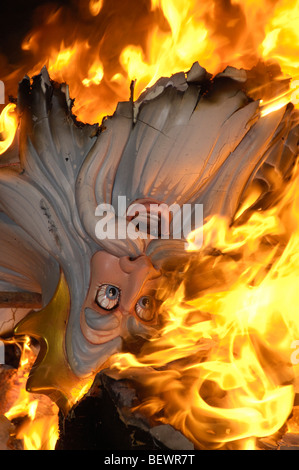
(39, 427)
(40, 434)
(168, 53)
(8, 127)
(95, 74)
(280, 101)
(32, 409)
(221, 369)
(190, 31)
(95, 6)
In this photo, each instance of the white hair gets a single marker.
(188, 139)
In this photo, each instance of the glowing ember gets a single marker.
(282, 36)
(221, 369)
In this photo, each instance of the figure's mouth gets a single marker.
(157, 215)
(98, 328)
(100, 322)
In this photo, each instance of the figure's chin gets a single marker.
(88, 358)
(98, 328)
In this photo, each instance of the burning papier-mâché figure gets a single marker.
(190, 139)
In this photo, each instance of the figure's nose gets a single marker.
(142, 264)
(141, 270)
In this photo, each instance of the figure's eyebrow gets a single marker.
(107, 283)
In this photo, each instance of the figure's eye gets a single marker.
(146, 308)
(108, 296)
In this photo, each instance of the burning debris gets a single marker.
(200, 368)
(108, 418)
(105, 420)
(28, 421)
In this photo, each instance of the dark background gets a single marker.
(118, 24)
(16, 20)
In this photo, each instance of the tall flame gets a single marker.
(8, 127)
(100, 60)
(222, 370)
(38, 416)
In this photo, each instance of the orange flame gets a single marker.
(39, 427)
(222, 370)
(100, 61)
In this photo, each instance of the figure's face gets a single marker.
(121, 298)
